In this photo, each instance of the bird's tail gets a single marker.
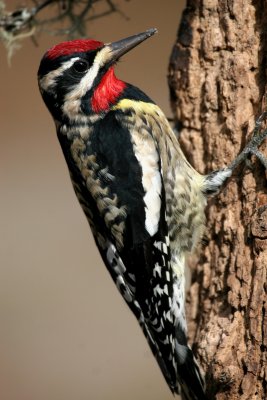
(189, 375)
(186, 379)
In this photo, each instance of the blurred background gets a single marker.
(65, 332)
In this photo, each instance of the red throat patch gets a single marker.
(107, 92)
(72, 47)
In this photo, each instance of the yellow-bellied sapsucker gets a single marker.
(143, 200)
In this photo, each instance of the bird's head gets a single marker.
(76, 78)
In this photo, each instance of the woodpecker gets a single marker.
(144, 202)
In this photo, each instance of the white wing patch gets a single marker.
(147, 155)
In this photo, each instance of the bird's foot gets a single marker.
(251, 147)
(216, 179)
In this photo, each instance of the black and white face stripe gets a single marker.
(48, 82)
(51, 70)
(72, 100)
(61, 79)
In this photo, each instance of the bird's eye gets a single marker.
(80, 66)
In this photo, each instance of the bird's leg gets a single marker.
(215, 179)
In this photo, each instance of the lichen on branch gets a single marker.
(56, 17)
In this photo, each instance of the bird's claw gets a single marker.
(260, 156)
(252, 146)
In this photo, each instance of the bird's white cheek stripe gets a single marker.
(146, 153)
(48, 81)
(72, 101)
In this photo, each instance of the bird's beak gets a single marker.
(117, 49)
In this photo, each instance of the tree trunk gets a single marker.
(217, 80)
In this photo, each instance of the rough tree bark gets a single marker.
(218, 80)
